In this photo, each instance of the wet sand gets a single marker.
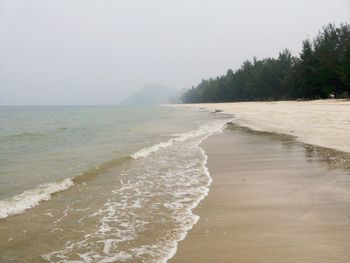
(272, 199)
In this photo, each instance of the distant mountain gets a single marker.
(151, 95)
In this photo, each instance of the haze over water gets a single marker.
(110, 184)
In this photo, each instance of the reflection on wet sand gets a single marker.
(273, 199)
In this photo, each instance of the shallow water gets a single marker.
(103, 184)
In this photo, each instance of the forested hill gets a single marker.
(151, 95)
(322, 70)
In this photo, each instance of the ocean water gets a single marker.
(100, 184)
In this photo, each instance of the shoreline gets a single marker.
(272, 200)
(323, 123)
(146, 206)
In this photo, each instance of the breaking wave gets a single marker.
(157, 193)
(31, 198)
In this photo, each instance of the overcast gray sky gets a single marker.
(98, 52)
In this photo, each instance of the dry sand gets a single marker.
(325, 123)
(272, 200)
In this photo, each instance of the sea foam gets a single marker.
(179, 137)
(31, 198)
(168, 185)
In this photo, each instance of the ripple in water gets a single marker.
(151, 209)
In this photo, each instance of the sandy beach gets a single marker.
(273, 197)
(324, 123)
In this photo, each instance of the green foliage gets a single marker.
(323, 68)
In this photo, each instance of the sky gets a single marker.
(74, 52)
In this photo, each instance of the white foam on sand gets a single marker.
(174, 179)
(31, 198)
(179, 137)
(204, 192)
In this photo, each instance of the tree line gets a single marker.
(322, 70)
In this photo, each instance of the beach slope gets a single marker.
(272, 200)
(324, 123)
(281, 185)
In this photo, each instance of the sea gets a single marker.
(101, 183)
